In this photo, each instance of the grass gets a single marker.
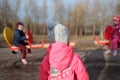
(39, 38)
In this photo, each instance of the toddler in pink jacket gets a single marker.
(115, 36)
(61, 62)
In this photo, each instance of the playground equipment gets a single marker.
(8, 36)
(100, 42)
(109, 31)
(107, 36)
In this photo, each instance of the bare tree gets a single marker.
(118, 7)
(78, 16)
(95, 15)
(5, 12)
(44, 16)
(69, 18)
(32, 17)
(103, 14)
(15, 10)
(59, 11)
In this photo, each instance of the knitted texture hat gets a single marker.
(58, 33)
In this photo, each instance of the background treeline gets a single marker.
(85, 17)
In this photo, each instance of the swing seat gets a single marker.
(108, 32)
(100, 42)
(8, 36)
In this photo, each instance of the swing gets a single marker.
(107, 36)
(100, 42)
(8, 36)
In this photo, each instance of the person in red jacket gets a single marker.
(108, 33)
(61, 62)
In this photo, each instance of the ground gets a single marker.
(100, 66)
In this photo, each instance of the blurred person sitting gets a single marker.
(115, 38)
(20, 40)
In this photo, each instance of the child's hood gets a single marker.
(60, 55)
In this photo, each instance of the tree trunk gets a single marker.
(94, 29)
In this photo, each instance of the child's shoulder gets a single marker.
(76, 58)
(16, 31)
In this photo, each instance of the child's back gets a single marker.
(65, 64)
(60, 62)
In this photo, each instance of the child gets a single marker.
(115, 35)
(19, 41)
(61, 62)
(108, 33)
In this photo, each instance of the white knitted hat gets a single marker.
(58, 33)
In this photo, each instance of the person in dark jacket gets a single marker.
(20, 40)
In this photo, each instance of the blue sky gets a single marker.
(50, 6)
(21, 13)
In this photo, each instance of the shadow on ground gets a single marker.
(101, 66)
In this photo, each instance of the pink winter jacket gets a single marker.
(61, 56)
(116, 30)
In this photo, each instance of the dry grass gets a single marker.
(79, 40)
